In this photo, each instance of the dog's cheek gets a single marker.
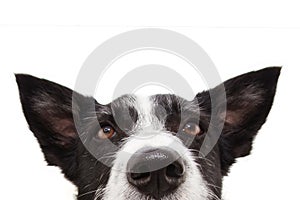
(92, 175)
(210, 168)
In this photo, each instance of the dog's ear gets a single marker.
(50, 114)
(249, 100)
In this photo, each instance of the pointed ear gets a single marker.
(48, 109)
(249, 100)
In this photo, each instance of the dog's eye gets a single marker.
(106, 132)
(192, 129)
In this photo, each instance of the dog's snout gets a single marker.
(156, 172)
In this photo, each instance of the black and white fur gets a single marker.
(51, 111)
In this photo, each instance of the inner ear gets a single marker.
(242, 104)
(65, 132)
(59, 123)
(65, 127)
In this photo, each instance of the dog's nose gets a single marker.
(156, 172)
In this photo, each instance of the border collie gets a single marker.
(148, 148)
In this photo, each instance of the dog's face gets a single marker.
(147, 147)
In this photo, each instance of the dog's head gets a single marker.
(147, 147)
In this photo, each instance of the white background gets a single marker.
(52, 40)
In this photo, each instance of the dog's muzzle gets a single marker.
(156, 172)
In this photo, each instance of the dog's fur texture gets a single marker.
(51, 110)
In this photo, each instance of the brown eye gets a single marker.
(192, 129)
(106, 132)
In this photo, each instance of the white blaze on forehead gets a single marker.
(147, 120)
(144, 107)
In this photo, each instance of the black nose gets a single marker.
(156, 172)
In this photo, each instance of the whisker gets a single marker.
(89, 192)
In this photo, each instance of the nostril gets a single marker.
(139, 176)
(175, 170)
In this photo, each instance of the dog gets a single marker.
(148, 148)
